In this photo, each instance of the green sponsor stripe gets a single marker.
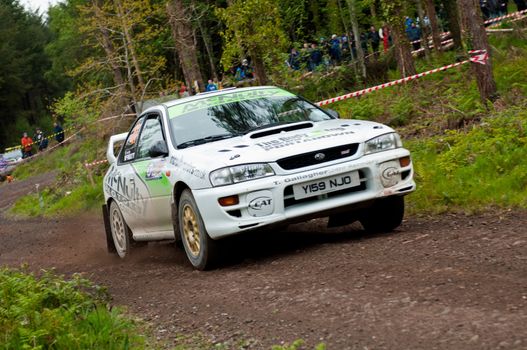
(214, 101)
(156, 187)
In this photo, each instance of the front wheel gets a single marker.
(199, 247)
(384, 216)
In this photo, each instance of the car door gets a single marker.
(129, 192)
(152, 173)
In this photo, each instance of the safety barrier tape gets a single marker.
(492, 20)
(480, 56)
(51, 148)
(39, 141)
(67, 129)
(97, 162)
(510, 15)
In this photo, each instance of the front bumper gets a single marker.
(272, 200)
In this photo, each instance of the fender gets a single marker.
(108, 230)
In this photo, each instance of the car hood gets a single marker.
(258, 147)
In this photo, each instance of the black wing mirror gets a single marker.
(333, 113)
(158, 149)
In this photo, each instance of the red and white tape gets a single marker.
(479, 56)
(510, 15)
(97, 162)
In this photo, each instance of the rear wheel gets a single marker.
(385, 215)
(199, 247)
(120, 231)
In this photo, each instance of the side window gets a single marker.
(152, 133)
(130, 146)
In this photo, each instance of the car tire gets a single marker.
(384, 216)
(121, 234)
(199, 247)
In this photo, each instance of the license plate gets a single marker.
(326, 185)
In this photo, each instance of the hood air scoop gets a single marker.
(279, 129)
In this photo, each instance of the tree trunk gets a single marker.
(476, 39)
(432, 16)
(373, 9)
(424, 29)
(403, 52)
(130, 45)
(453, 22)
(208, 47)
(184, 42)
(356, 33)
(112, 57)
(259, 67)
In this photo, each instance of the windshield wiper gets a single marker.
(205, 140)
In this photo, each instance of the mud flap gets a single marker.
(109, 239)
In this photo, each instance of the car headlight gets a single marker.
(240, 173)
(383, 143)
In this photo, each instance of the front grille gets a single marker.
(313, 158)
(289, 198)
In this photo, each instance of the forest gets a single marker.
(84, 60)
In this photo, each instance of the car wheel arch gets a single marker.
(179, 187)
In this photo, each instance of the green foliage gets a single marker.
(297, 345)
(259, 36)
(23, 87)
(48, 312)
(61, 201)
(472, 170)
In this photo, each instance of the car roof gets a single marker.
(205, 95)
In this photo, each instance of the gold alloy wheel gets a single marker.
(118, 230)
(191, 230)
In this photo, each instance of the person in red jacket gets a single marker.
(27, 145)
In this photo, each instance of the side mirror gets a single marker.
(333, 113)
(159, 149)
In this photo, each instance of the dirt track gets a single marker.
(448, 282)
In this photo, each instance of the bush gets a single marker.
(50, 312)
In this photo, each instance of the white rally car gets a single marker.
(205, 167)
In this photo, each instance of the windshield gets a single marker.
(224, 116)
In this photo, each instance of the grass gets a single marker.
(48, 312)
(473, 170)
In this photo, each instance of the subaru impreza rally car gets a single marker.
(216, 164)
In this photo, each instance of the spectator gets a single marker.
(364, 43)
(211, 86)
(384, 34)
(334, 50)
(183, 91)
(375, 40)
(493, 8)
(484, 8)
(27, 145)
(502, 7)
(345, 47)
(292, 61)
(41, 140)
(521, 5)
(408, 23)
(59, 132)
(244, 71)
(414, 34)
(316, 56)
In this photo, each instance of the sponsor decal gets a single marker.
(187, 167)
(260, 203)
(125, 192)
(154, 171)
(287, 141)
(214, 101)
